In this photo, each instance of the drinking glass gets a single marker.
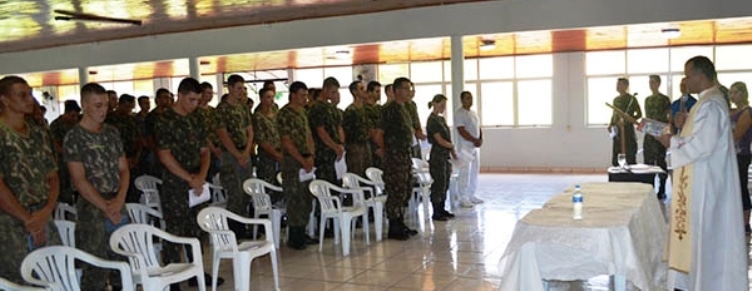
(622, 159)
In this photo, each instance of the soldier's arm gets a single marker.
(205, 163)
(172, 165)
(224, 138)
(249, 141)
(341, 134)
(124, 174)
(267, 147)
(290, 148)
(10, 205)
(84, 187)
(53, 180)
(328, 141)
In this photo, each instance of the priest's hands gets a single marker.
(665, 140)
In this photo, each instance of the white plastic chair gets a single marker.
(225, 246)
(353, 181)
(331, 207)
(376, 176)
(67, 231)
(149, 187)
(311, 227)
(422, 193)
(63, 210)
(54, 267)
(142, 214)
(218, 195)
(10, 286)
(262, 204)
(136, 242)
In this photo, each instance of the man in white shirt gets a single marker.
(706, 249)
(471, 139)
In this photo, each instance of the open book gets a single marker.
(653, 127)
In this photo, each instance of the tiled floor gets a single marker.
(461, 254)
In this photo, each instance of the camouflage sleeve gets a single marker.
(260, 129)
(118, 141)
(165, 140)
(283, 120)
(387, 114)
(316, 117)
(222, 113)
(47, 151)
(71, 146)
(149, 123)
(201, 131)
(350, 122)
(432, 127)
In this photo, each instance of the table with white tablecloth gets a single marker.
(623, 233)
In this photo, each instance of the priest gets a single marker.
(706, 249)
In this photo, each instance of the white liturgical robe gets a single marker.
(718, 250)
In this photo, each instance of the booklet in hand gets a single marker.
(653, 127)
(194, 200)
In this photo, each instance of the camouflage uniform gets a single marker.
(155, 168)
(24, 164)
(412, 109)
(374, 117)
(266, 131)
(130, 136)
(209, 116)
(357, 127)
(631, 106)
(328, 116)
(99, 153)
(398, 135)
(235, 118)
(58, 129)
(657, 107)
(184, 137)
(438, 162)
(295, 125)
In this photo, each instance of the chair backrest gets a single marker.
(218, 194)
(376, 176)
(216, 181)
(257, 189)
(353, 181)
(323, 192)
(6, 285)
(419, 165)
(138, 240)
(142, 214)
(279, 178)
(55, 268)
(147, 182)
(213, 219)
(63, 210)
(67, 231)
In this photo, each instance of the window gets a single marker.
(604, 63)
(345, 98)
(387, 73)
(680, 55)
(642, 61)
(343, 74)
(423, 95)
(496, 68)
(498, 104)
(534, 102)
(599, 91)
(733, 57)
(535, 66)
(313, 78)
(424, 72)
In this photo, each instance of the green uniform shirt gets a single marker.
(183, 136)
(374, 115)
(266, 130)
(356, 124)
(295, 126)
(209, 115)
(412, 109)
(437, 124)
(99, 153)
(59, 128)
(658, 107)
(628, 104)
(130, 134)
(398, 133)
(236, 119)
(25, 162)
(328, 116)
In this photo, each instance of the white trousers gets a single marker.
(468, 177)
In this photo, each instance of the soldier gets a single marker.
(145, 156)
(163, 99)
(209, 115)
(235, 132)
(657, 107)
(58, 129)
(442, 147)
(112, 101)
(396, 142)
(412, 109)
(297, 145)
(357, 127)
(182, 149)
(326, 128)
(629, 105)
(28, 180)
(267, 137)
(130, 136)
(99, 170)
(373, 111)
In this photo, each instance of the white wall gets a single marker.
(568, 144)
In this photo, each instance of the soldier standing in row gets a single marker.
(657, 107)
(326, 128)
(99, 170)
(59, 128)
(297, 145)
(130, 136)
(441, 149)
(182, 149)
(28, 180)
(235, 132)
(397, 143)
(418, 135)
(209, 115)
(373, 111)
(163, 99)
(357, 127)
(267, 137)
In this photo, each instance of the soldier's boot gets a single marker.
(438, 212)
(444, 211)
(397, 229)
(297, 239)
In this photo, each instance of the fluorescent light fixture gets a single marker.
(487, 44)
(671, 33)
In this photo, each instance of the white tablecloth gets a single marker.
(623, 232)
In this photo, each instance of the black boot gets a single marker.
(438, 212)
(397, 230)
(297, 238)
(446, 213)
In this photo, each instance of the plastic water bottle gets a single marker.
(577, 202)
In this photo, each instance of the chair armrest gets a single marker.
(122, 267)
(265, 222)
